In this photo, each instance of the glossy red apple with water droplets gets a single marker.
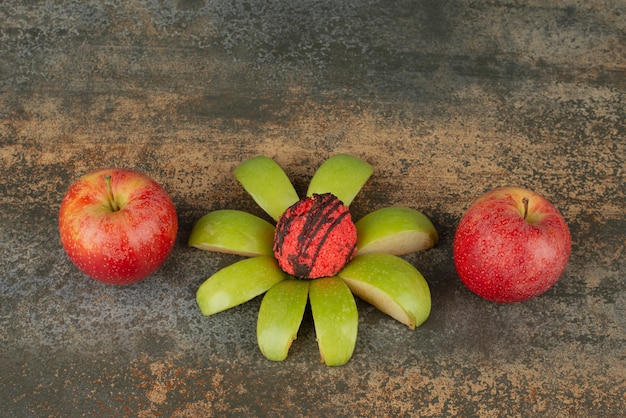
(117, 225)
(511, 245)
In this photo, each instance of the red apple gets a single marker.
(117, 225)
(511, 245)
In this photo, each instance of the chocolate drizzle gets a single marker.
(326, 213)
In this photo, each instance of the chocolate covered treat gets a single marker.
(315, 237)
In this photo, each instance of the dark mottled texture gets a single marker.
(445, 99)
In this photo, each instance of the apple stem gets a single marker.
(112, 203)
(525, 203)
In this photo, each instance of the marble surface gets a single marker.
(445, 99)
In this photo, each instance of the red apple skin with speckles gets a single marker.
(506, 252)
(117, 246)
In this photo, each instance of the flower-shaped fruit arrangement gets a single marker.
(314, 253)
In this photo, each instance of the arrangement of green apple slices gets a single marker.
(376, 274)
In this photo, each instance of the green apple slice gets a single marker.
(233, 232)
(342, 175)
(280, 316)
(395, 230)
(392, 285)
(336, 319)
(268, 185)
(238, 283)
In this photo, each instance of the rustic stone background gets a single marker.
(445, 99)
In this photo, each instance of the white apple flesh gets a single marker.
(395, 230)
(392, 285)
